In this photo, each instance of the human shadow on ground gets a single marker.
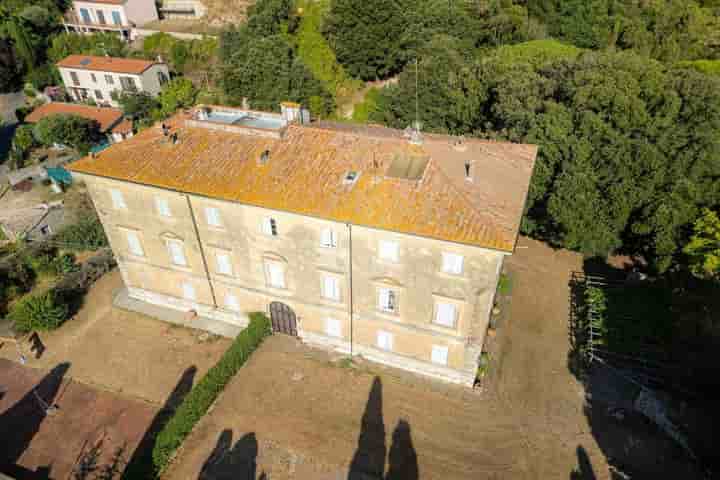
(368, 462)
(232, 462)
(584, 471)
(140, 464)
(21, 422)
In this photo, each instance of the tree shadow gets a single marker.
(20, 423)
(140, 464)
(238, 462)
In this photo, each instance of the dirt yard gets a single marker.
(86, 426)
(292, 413)
(122, 351)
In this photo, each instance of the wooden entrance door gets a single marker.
(283, 319)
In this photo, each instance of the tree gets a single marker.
(137, 106)
(10, 79)
(46, 311)
(23, 142)
(366, 36)
(178, 93)
(703, 250)
(104, 43)
(71, 130)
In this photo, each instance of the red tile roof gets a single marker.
(106, 117)
(306, 166)
(125, 126)
(106, 64)
(108, 2)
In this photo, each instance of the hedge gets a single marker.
(202, 395)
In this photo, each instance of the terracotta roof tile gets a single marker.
(307, 165)
(106, 64)
(125, 126)
(106, 117)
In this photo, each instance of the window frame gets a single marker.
(231, 306)
(213, 220)
(392, 294)
(117, 199)
(328, 238)
(162, 207)
(457, 259)
(227, 255)
(109, 79)
(445, 354)
(269, 265)
(187, 286)
(181, 246)
(389, 340)
(269, 227)
(336, 291)
(75, 79)
(129, 233)
(336, 330)
(439, 303)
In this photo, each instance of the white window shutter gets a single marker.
(118, 200)
(383, 298)
(331, 288)
(134, 244)
(162, 206)
(266, 226)
(276, 274)
(332, 327)
(212, 216)
(439, 355)
(384, 340)
(445, 314)
(389, 250)
(452, 263)
(328, 239)
(176, 252)
(224, 265)
(188, 291)
(231, 302)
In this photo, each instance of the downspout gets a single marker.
(202, 252)
(350, 289)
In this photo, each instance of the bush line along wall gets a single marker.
(202, 395)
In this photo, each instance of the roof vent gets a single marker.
(351, 177)
(468, 173)
(264, 157)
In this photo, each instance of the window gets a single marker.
(445, 314)
(109, 80)
(275, 275)
(98, 95)
(128, 84)
(118, 200)
(162, 78)
(389, 251)
(332, 327)
(177, 253)
(75, 79)
(231, 302)
(387, 300)
(162, 206)
(134, 245)
(269, 227)
(384, 340)
(93, 77)
(224, 264)
(101, 16)
(117, 20)
(188, 291)
(85, 15)
(439, 355)
(212, 216)
(452, 263)
(331, 287)
(328, 238)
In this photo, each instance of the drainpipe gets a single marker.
(202, 252)
(350, 289)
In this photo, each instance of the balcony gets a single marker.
(71, 19)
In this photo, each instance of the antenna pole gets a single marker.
(417, 103)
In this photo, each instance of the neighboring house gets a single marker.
(112, 123)
(92, 16)
(181, 9)
(88, 77)
(360, 239)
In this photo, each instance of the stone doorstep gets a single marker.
(171, 315)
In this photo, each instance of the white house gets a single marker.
(92, 77)
(92, 16)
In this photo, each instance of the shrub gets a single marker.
(65, 264)
(86, 234)
(202, 396)
(46, 311)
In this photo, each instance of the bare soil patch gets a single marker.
(293, 413)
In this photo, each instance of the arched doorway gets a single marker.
(283, 319)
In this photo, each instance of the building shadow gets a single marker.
(20, 423)
(140, 465)
(228, 462)
(402, 459)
